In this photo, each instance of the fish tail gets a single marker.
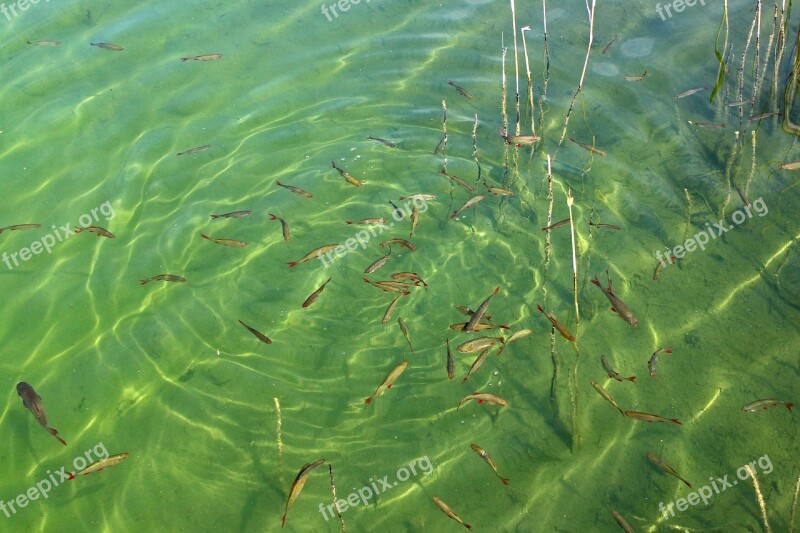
(667, 350)
(214, 216)
(789, 406)
(504, 480)
(597, 282)
(203, 235)
(676, 421)
(333, 163)
(632, 379)
(142, 281)
(292, 263)
(54, 433)
(272, 217)
(368, 400)
(185, 58)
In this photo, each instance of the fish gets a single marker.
(660, 267)
(296, 190)
(556, 324)
(378, 263)
(647, 417)
(314, 253)
(477, 363)
(760, 405)
(651, 363)
(388, 381)
(605, 50)
(368, 221)
(399, 214)
(163, 277)
(390, 144)
(621, 521)
(315, 294)
(486, 457)
(33, 403)
(481, 397)
(518, 335)
(102, 464)
(478, 315)
(599, 388)
(439, 145)
(17, 227)
(451, 366)
(195, 150)
(412, 277)
(449, 512)
(666, 468)
(404, 329)
(691, 92)
(44, 43)
(284, 226)
(233, 214)
(101, 232)
(260, 336)
(423, 197)
(402, 242)
(478, 327)
(204, 57)
(458, 181)
(108, 46)
(706, 124)
(590, 148)
(460, 90)
(765, 115)
(298, 484)
(225, 242)
(611, 373)
(478, 344)
(636, 78)
(347, 176)
(556, 225)
(387, 316)
(606, 226)
(497, 191)
(619, 307)
(414, 220)
(390, 286)
(744, 199)
(519, 140)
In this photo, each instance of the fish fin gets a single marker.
(203, 235)
(272, 217)
(54, 433)
(789, 406)
(368, 400)
(632, 379)
(214, 216)
(71, 476)
(480, 401)
(454, 214)
(348, 222)
(676, 421)
(292, 263)
(389, 386)
(667, 350)
(142, 281)
(504, 480)
(597, 282)
(687, 483)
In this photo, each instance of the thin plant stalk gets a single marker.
(759, 497)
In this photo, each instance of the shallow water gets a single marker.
(166, 373)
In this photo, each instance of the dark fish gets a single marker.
(284, 226)
(225, 242)
(605, 50)
(204, 57)
(101, 232)
(298, 484)
(17, 227)
(163, 277)
(195, 150)
(108, 46)
(296, 190)
(478, 315)
(401, 242)
(390, 144)
(622, 310)
(378, 263)
(556, 225)
(666, 468)
(460, 90)
(347, 176)
(33, 403)
(590, 148)
(315, 294)
(260, 336)
(234, 214)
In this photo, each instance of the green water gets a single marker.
(166, 373)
